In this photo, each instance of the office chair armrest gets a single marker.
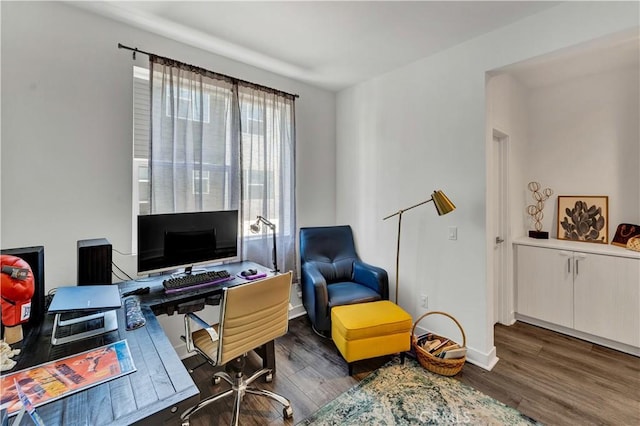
(202, 324)
(372, 276)
(199, 321)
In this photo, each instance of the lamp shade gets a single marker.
(442, 203)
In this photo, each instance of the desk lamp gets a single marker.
(443, 206)
(255, 228)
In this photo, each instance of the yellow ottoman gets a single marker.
(368, 330)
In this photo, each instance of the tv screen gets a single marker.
(175, 240)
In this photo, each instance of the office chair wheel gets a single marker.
(268, 378)
(287, 412)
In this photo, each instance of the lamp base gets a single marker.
(541, 235)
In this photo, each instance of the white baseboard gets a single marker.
(483, 360)
(181, 350)
(622, 347)
(297, 311)
(510, 320)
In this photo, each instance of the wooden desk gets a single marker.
(161, 388)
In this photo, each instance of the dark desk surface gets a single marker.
(161, 388)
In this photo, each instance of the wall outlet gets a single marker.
(424, 301)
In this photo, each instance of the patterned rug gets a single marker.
(408, 394)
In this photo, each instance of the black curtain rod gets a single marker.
(136, 50)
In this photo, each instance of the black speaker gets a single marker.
(34, 256)
(94, 262)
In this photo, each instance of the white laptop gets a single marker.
(85, 298)
(98, 301)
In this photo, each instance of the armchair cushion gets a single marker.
(347, 293)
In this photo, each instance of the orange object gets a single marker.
(17, 290)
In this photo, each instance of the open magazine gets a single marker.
(55, 379)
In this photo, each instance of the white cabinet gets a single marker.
(607, 298)
(593, 293)
(544, 286)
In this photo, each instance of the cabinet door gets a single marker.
(607, 297)
(545, 284)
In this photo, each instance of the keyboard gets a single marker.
(196, 281)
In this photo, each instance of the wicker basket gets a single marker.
(445, 367)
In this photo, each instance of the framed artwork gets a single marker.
(583, 218)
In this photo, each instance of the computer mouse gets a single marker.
(248, 272)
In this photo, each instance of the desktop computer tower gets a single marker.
(34, 256)
(94, 262)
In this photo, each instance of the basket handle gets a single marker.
(464, 337)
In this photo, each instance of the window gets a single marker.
(188, 104)
(142, 177)
(255, 184)
(252, 119)
(202, 160)
(216, 161)
(141, 111)
(200, 182)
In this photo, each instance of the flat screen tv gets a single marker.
(181, 240)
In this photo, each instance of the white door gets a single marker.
(502, 289)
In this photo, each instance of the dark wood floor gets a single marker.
(550, 377)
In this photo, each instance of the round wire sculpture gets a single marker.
(535, 210)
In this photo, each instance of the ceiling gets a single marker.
(330, 44)
(617, 51)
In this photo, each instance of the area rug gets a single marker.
(408, 394)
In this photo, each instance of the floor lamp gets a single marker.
(443, 206)
(255, 228)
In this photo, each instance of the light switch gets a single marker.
(453, 232)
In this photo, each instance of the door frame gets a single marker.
(501, 268)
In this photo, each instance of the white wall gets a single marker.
(578, 132)
(67, 131)
(422, 127)
(577, 137)
(506, 114)
(66, 170)
(584, 140)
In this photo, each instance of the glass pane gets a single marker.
(143, 173)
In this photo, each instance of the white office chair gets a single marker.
(251, 315)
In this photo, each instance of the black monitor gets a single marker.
(176, 240)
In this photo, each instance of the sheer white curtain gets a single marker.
(267, 122)
(194, 158)
(217, 144)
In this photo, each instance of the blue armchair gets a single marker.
(333, 274)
